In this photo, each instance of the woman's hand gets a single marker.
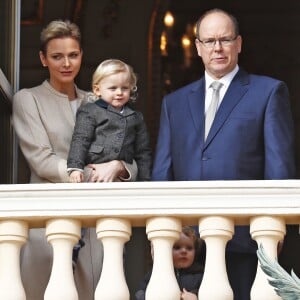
(108, 172)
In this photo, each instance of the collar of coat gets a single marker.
(102, 103)
(127, 110)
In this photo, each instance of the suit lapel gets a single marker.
(236, 91)
(196, 100)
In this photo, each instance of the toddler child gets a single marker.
(188, 270)
(108, 128)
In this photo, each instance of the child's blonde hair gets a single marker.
(114, 66)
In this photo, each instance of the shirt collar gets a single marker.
(226, 80)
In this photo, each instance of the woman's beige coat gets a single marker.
(44, 122)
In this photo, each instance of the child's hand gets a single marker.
(76, 176)
(185, 295)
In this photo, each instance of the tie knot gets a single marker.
(216, 85)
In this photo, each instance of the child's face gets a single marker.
(114, 89)
(183, 252)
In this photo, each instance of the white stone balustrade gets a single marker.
(13, 234)
(215, 231)
(62, 234)
(113, 208)
(113, 233)
(163, 232)
(267, 231)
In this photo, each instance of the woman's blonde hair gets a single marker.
(59, 29)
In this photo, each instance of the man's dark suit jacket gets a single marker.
(251, 137)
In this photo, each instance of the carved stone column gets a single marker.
(113, 232)
(267, 231)
(163, 232)
(62, 234)
(13, 234)
(216, 231)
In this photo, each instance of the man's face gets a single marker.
(217, 44)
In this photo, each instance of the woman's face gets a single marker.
(63, 58)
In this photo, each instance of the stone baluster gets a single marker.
(13, 234)
(113, 233)
(215, 231)
(62, 234)
(267, 231)
(163, 232)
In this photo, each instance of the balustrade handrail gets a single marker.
(163, 207)
(139, 200)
